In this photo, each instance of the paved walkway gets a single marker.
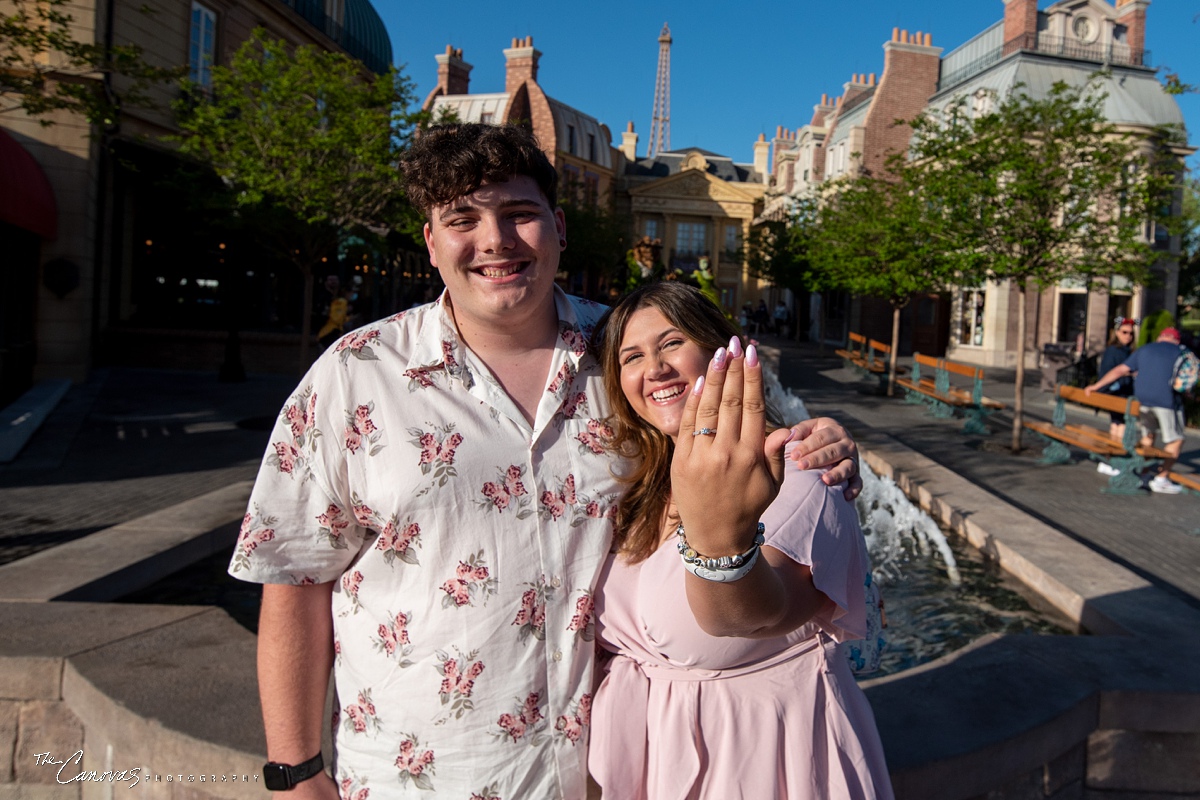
(133, 441)
(1156, 536)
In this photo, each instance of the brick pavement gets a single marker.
(1156, 536)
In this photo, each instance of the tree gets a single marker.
(44, 68)
(1042, 189)
(1189, 249)
(597, 240)
(880, 237)
(308, 144)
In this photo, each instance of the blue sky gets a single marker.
(737, 69)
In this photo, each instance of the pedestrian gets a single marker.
(1120, 348)
(1153, 369)
(434, 508)
(726, 680)
(762, 317)
(781, 318)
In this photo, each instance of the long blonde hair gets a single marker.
(640, 512)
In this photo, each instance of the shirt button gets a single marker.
(558, 655)
(556, 582)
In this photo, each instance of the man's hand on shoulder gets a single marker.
(823, 442)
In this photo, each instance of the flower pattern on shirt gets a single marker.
(360, 716)
(351, 787)
(392, 639)
(505, 490)
(574, 339)
(573, 726)
(291, 457)
(256, 530)
(562, 380)
(333, 524)
(526, 723)
(351, 583)
(437, 448)
(359, 427)
(471, 581)
(582, 623)
(487, 793)
(531, 618)
(423, 377)
(458, 673)
(358, 344)
(594, 439)
(578, 508)
(414, 764)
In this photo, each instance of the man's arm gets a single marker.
(822, 442)
(1116, 373)
(295, 656)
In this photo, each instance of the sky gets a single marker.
(737, 68)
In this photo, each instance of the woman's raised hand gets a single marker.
(726, 469)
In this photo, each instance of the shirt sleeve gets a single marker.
(812, 524)
(300, 526)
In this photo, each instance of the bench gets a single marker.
(855, 352)
(943, 398)
(1190, 481)
(867, 356)
(1126, 456)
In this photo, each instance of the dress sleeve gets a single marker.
(300, 526)
(812, 524)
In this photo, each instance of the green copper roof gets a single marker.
(361, 32)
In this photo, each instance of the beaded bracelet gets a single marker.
(723, 569)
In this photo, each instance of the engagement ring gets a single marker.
(705, 432)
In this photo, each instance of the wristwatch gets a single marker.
(284, 777)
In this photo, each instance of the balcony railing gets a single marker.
(1096, 52)
(313, 12)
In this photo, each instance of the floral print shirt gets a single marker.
(465, 546)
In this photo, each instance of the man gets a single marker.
(432, 513)
(781, 318)
(1153, 370)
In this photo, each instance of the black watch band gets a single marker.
(284, 777)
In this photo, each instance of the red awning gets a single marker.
(26, 199)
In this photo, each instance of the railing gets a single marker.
(313, 12)
(1097, 52)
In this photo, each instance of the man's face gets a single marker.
(497, 250)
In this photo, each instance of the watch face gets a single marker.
(276, 777)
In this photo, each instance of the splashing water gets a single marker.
(893, 526)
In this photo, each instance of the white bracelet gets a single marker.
(722, 575)
(724, 569)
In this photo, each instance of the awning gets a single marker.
(26, 199)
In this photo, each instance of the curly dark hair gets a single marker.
(450, 161)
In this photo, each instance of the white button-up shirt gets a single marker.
(465, 545)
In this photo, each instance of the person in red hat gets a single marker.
(1153, 370)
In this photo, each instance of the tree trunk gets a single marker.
(821, 329)
(306, 318)
(891, 389)
(1019, 398)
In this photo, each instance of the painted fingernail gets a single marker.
(719, 358)
(735, 347)
(751, 356)
(791, 433)
(699, 387)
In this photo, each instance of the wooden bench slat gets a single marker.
(1191, 481)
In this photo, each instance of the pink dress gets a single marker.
(682, 715)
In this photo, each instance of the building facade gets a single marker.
(1068, 41)
(119, 254)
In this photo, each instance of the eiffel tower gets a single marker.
(660, 126)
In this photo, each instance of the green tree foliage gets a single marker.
(308, 143)
(1189, 250)
(597, 240)
(881, 237)
(44, 68)
(1040, 190)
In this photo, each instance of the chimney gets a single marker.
(453, 74)
(629, 143)
(821, 111)
(1132, 14)
(521, 64)
(910, 75)
(762, 157)
(1020, 24)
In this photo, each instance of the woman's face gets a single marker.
(659, 367)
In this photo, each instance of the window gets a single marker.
(1072, 315)
(651, 228)
(202, 45)
(486, 117)
(691, 238)
(571, 139)
(971, 330)
(731, 238)
(591, 147)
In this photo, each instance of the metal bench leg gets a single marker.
(941, 410)
(975, 425)
(1055, 452)
(1128, 480)
(914, 398)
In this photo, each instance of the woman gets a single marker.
(1120, 348)
(726, 682)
